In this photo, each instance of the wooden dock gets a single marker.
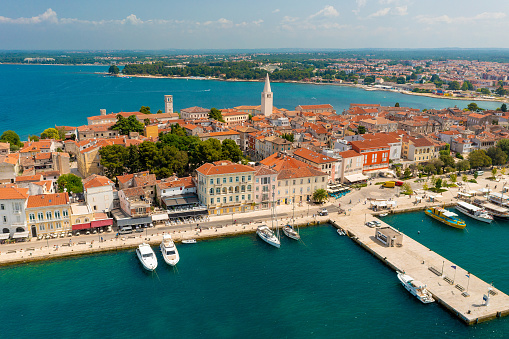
(450, 286)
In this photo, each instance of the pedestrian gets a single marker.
(101, 239)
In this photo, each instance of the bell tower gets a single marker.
(168, 104)
(267, 99)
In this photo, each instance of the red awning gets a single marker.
(101, 223)
(80, 226)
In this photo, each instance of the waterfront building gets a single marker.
(134, 202)
(100, 193)
(267, 99)
(13, 202)
(48, 213)
(319, 161)
(375, 152)
(225, 187)
(351, 166)
(265, 187)
(419, 149)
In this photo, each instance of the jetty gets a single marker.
(452, 286)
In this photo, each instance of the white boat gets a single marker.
(189, 241)
(474, 212)
(169, 250)
(416, 288)
(291, 233)
(147, 257)
(340, 231)
(383, 214)
(268, 236)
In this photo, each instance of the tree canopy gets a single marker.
(113, 69)
(497, 155)
(50, 133)
(12, 138)
(320, 195)
(145, 110)
(479, 158)
(124, 126)
(216, 114)
(454, 86)
(71, 182)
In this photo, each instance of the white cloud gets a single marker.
(387, 2)
(424, 19)
(401, 10)
(132, 19)
(276, 10)
(48, 16)
(327, 12)
(380, 12)
(224, 23)
(360, 4)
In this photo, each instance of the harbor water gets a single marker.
(35, 97)
(325, 286)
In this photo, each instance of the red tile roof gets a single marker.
(44, 200)
(7, 193)
(223, 167)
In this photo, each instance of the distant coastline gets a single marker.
(365, 87)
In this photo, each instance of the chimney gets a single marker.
(103, 111)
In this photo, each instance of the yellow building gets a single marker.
(48, 214)
(226, 187)
(151, 131)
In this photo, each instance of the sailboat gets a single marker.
(290, 231)
(267, 234)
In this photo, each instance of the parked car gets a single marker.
(125, 230)
(323, 212)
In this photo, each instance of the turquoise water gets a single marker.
(35, 97)
(326, 287)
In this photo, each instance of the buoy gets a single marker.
(418, 232)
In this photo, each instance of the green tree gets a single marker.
(407, 173)
(504, 145)
(61, 133)
(209, 150)
(320, 195)
(216, 114)
(230, 151)
(159, 111)
(438, 183)
(479, 158)
(149, 156)
(463, 165)
(361, 129)
(407, 189)
(467, 86)
(397, 104)
(473, 107)
(250, 117)
(497, 155)
(447, 159)
(288, 136)
(454, 86)
(453, 177)
(113, 159)
(132, 163)
(71, 182)
(146, 121)
(113, 69)
(50, 133)
(501, 91)
(494, 171)
(464, 177)
(33, 138)
(503, 108)
(485, 91)
(145, 110)
(12, 138)
(124, 126)
(430, 168)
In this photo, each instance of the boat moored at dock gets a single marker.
(416, 288)
(147, 257)
(445, 216)
(169, 250)
(474, 212)
(291, 233)
(494, 210)
(267, 235)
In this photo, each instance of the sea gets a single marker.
(36, 97)
(325, 286)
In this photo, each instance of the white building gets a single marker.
(99, 193)
(13, 202)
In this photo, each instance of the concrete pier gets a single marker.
(448, 285)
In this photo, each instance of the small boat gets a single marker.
(169, 250)
(474, 212)
(383, 214)
(494, 210)
(189, 241)
(416, 288)
(268, 236)
(147, 257)
(447, 217)
(291, 233)
(340, 231)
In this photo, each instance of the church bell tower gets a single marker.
(267, 99)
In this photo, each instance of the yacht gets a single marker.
(474, 212)
(445, 216)
(416, 288)
(494, 210)
(268, 236)
(169, 250)
(290, 232)
(147, 257)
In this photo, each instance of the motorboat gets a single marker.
(169, 250)
(291, 233)
(189, 241)
(416, 288)
(147, 257)
(494, 210)
(383, 214)
(474, 212)
(445, 216)
(340, 231)
(268, 236)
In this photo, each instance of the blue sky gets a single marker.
(197, 24)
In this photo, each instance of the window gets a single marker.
(236, 179)
(236, 198)
(40, 216)
(224, 200)
(211, 200)
(58, 225)
(57, 214)
(243, 178)
(224, 180)
(218, 181)
(211, 191)
(243, 188)
(78, 220)
(5, 219)
(50, 226)
(218, 190)
(258, 180)
(249, 187)
(218, 200)
(231, 179)
(301, 181)
(243, 197)
(293, 181)
(249, 197)
(32, 217)
(48, 215)
(248, 178)
(41, 227)
(65, 214)
(2, 207)
(231, 198)
(225, 190)
(212, 181)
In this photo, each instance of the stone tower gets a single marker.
(267, 98)
(168, 104)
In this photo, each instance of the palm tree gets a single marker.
(320, 195)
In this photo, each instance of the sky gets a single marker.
(240, 24)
